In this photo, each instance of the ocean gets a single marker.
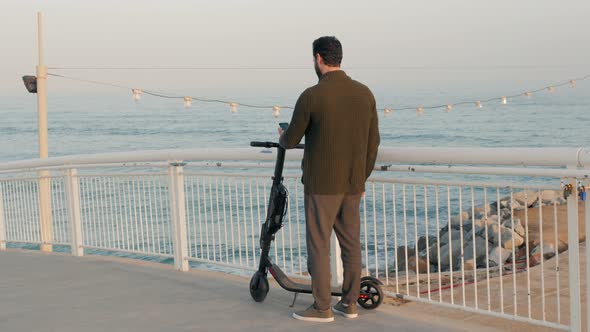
(110, 121)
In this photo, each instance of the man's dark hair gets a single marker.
(330, 49)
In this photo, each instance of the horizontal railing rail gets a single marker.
(550, 157)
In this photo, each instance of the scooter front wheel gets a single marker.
(371, 295)
(259, 286)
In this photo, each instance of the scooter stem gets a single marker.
(278, 177)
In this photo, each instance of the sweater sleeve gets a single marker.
(374, 139)
(299, 121)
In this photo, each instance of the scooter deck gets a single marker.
(293, 286)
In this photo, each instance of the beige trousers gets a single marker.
(323, 213)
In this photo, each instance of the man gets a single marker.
(338, 118)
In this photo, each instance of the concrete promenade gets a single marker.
(58, 292)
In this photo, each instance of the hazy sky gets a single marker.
(466, 40)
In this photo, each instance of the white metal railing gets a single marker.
(476, 244)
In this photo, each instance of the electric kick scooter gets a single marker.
(371, 294)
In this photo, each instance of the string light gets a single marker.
(387, 111)
(188, 101)
(136, 94)
(233, 107)
(276, 111)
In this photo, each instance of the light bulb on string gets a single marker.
(528, 94)
(551, 89)
(188, 101)
(387, 111)
(419, 110)
(276, 111)
(504, 100)
(449, 108)
(233, 107)
(478, 104)
(572, 83)
(136, 94)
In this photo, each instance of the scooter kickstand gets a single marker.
(294, 299)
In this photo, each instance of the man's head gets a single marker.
(327, 54)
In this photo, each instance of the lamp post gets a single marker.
(46, 227)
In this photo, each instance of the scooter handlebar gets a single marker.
(264, 144)
(269, 145)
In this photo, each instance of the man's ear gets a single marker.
(319, 59)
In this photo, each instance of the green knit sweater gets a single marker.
(338, 118)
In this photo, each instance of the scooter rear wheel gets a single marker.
(259, 286)
(371, 295)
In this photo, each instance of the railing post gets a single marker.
(177, 206)
(2, 224)
(335, 261)
(45, 224)
(73, 199)
(574, 259)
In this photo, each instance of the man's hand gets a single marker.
(281, 131)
